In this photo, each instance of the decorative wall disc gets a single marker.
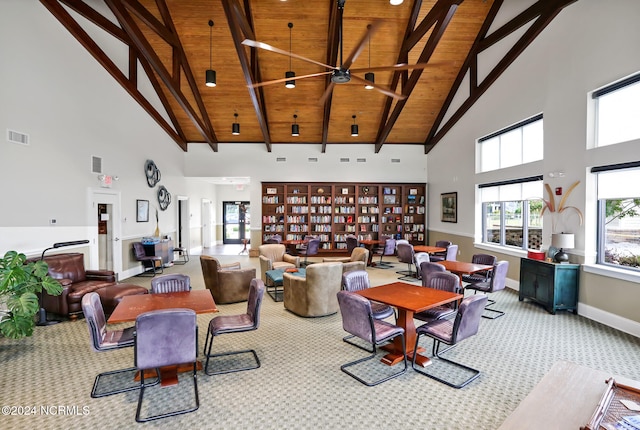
(164, 197)
(152, 172)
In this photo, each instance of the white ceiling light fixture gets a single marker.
(396, 2)
(210, 74)
(291, 83)
(369, 76)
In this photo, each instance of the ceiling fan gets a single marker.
(343, 73)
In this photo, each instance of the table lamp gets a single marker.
(562, 241)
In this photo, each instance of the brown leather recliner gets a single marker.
(228, 283)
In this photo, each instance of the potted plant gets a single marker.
(19, 285)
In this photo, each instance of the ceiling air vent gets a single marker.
(17, 137)
(361, 160)
(312, 159)
(96, 164)
(281, 159)
(395, 160)
(344, 160)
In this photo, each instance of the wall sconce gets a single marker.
(235, 127)
(210, 74)
(354, 127)
(295, 128)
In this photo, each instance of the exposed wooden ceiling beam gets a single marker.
(543, 12)
(333, 42)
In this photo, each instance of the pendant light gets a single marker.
(290, 74)
(369, 76)
(235, 127)
(395, 2)
(295, 128)
(354, 127)
(210, 74)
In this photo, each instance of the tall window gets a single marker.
(511, 213)
(517, 144)
(617, 109)
(619, 215)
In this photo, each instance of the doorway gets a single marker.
(236, 222)
(106, 249)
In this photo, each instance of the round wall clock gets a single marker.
(164, 197)
(152, 172)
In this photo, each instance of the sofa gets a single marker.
(68, 269)
(316, 294)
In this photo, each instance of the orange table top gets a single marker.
(130, 307)
(460, 267)
(408, 296)
(428, 249)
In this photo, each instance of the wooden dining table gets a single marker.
(428, 249)
(408, 299)
(292, 245)
(462, 268)
(200, 301)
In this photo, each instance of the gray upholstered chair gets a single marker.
(105, 340)
(274, 256)
(352, 242)
(427, 267)
(484, 276)
(440, 256)
(152, 264)
(357, 261)
(312, 248)
(418, 259)
(387, 250)
(228, 283)
(406, 255)
(170, 283)
(315, 294)
(165, 337)
(225, 324)
(497, 282)
(452, 332)
(358, 320)
(446, 281)
(359, 280)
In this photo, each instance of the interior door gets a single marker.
(106, 249)
(236, 222)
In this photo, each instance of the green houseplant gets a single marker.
(19, 285)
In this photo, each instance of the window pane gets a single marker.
(513, 223)
(617, 116)
(490, 155)
(621, 233)
(532, 142)
(511, 148)
(492, 222)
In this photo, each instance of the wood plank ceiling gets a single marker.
(170, 44)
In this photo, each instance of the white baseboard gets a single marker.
(612, 320)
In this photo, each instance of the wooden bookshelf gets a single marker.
(331, 211)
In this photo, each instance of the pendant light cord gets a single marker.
(290, 27)
(210, 44)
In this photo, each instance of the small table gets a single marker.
(408, 299)
(461, 268)
(292, 245)
(130, 307)
(369, 244)
(277, 278)
(428, 249)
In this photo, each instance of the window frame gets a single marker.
(597, 94)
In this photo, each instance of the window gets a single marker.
(619, 215)
(511, 213)
(617, 108)
(518, 144)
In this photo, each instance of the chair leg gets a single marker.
(496, 311)
(168, 414)
(436, 353)
(207, 352)
(361, 360)
(94, 390)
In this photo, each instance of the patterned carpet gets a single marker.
(300, 385)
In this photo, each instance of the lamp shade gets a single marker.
(211, 78)
(371, 77)
(290, 83)
(354, 130)
(563, 240)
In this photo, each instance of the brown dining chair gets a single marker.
(442, 255)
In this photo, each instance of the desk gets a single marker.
(461, 268)
(428, 249)
(277, 277)
(408, 299)
(130, 307)
(369, 244)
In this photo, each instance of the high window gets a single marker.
(617, 108)
(619, 215)
(517, 144)
(511, 213)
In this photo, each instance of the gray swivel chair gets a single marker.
(406, 255)
(155, 348)
(226, 324)
(388, 249)
(170, 283)
(452, 332)
(495, 283)
(427, 267)
(312, 249)
(358, 320)
(483, 276)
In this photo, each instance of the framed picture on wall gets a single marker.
(449, 208)
(142, 210)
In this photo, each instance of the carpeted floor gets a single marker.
(300, 385)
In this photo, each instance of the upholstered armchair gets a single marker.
(357, 260)
(228, 283)
(316, 294)
(273, 256)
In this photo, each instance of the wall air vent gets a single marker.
(361, 160)
(96, 164)
(344, 160)
(281, 159)
(395, 160)
(312, 159)
(17, 137)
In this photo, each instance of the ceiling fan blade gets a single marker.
(267, 47)
(380, 88)
(277, 81)
(326, 94)
(371, 29)
(395, 68)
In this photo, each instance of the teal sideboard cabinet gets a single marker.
(555, 286)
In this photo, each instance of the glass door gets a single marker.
(236, 222)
